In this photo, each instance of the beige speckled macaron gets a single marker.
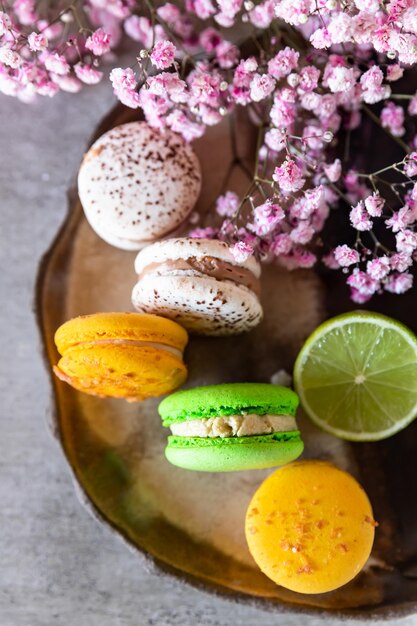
(199, 284)
(137, 184)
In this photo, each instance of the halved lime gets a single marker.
(356, 376)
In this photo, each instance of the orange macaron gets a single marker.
(310, 527)
(122, 355)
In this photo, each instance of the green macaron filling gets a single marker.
(186, 442)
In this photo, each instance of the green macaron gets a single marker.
(231, 427)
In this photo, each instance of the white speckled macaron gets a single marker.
(198, 283)
(137, 184)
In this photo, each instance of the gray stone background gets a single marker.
(57, 565)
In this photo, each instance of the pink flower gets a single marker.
(87, 74)
(123, 79)
(261, 87)
(98, 42)
(373, 90)
(346, 256)
(308, 79)
(406, 241)
(412, 107)
(329, 261)
(289, 176)
(313, 137)
(410, 167)
(298, 258)
(394, 72)
(401, 261)
(10, 58)
(209, 39)
(5, 23)
(302, 233)
(333, 170)
(163, 54)
(374, 205)
(37, 42)
(227, 55)
(282, 113)
(47, 88)
(283, 63)
(25, 11)
(359, 297)
(56, 63)
(293, 12)
(378, 268)
(204, 233)
(227, 204)
(341, 79)
(274, 139)
(359, 218)
(202, 8)
(67, 83)
(392, 117)
(263, 14)
(340, 28)
(241, 251)
(363, 283)
(180, 123)
(230, 7)
(266, 217)
(281, 244)
(372, 78)
(124, 86)
(168, 84)
(321, 39)
(399, 283)
(140, 29)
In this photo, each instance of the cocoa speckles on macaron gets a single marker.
(137, 184)
(197, 283)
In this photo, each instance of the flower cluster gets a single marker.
(312, 74)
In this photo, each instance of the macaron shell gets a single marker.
(227, 399)
(310, 527)
(201, 304)
(234, 453)
(184, 248)
(123, 371)
(119, 326)
(137, 184)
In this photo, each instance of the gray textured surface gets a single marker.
(57, 566)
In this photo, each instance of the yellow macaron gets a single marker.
(310, 527)
(122, 355)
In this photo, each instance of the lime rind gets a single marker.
(369, 345)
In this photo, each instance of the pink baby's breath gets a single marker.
(359, 218)
(374, 205)
(99, 42)
(37, 42)
(314, 109)
(56, 63)
(399, 283)
(227, 204)
(289, 176)
(163, 54)
(346, 256)
(392, 117)
(241, 251)
(378, 268)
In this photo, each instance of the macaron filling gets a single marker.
(234, 426)
(132, 342)
(206, 266)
